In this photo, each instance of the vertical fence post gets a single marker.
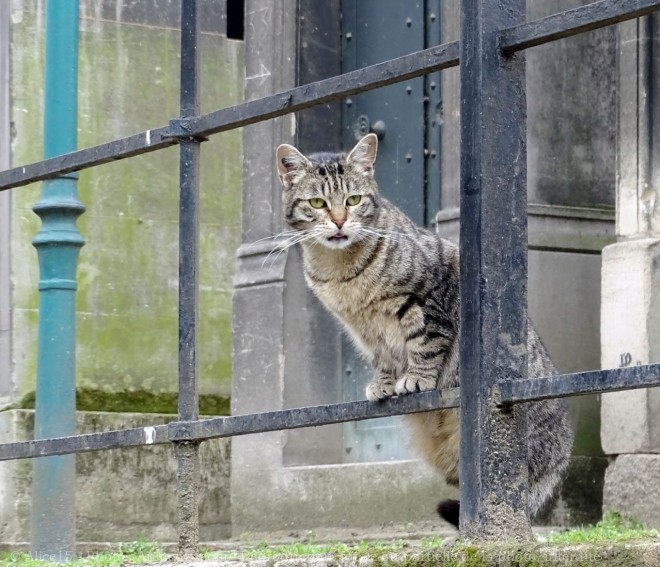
(188, 452)
(58, 244)
(493, 263)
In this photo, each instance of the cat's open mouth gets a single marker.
(338, 236)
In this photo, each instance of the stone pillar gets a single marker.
(287, 348)
(630, 309)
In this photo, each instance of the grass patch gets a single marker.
(307, 549)
(612, 528)
(310, 548)
(134, 553)
(146, 553)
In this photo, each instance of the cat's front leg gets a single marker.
(383, 383)
(433, 364)
(424, 354)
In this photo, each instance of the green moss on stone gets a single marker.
(128, 274)
(140, 401)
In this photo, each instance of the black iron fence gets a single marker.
(493, 259)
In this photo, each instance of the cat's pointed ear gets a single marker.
(290, 164)
(363, 155)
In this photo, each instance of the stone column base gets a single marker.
(631, 488)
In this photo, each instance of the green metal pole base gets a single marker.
(58, 246)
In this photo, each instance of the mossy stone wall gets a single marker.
(128, 271)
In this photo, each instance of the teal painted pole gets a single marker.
(58, 244)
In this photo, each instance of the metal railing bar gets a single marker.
(573, 22)
(137, 144)
(189, 163)
(313, 416)
(493, 273)
(229, 426)
(368, 78)
(361, 80)
(579, 383)
(187, 454)
(156, 435)
(532, 389)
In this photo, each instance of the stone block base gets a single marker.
(121, 494)
(630, 325)
(631, 488)
(355, 495)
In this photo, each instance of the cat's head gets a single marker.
(332, 197)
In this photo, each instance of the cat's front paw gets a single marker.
(380, 389)
(409, 383)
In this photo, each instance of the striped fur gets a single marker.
(395, 288)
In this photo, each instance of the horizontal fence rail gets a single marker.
(580, 383)
(314, 416)
(530, 390)
(231, 426)
(137, 437)
(362, 80)
(573, 22)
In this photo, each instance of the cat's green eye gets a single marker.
(317, 203)
(353, 200)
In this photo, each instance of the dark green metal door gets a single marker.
(405, 118)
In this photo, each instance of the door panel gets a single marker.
(405, 117)
(375, 31)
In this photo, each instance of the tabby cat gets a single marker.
(395, 288)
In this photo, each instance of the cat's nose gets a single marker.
(339, 222)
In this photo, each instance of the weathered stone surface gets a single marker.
(631, 488)
(352, 495)
(637, 124)
(128, 274)
(626, 422)
(122, 494)
(571, 105)
(630, 333)
(6, 383)
(127, 316)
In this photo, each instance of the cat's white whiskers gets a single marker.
(277, 250)
(297, 237)
(287, 233)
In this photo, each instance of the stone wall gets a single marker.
(127, 346)
(127, 298)
(121, 494)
